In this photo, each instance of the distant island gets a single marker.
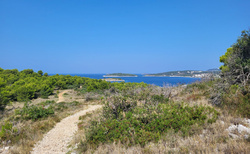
(120, 75)
(113, 79)
(188, 73)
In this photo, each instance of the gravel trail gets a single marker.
(57, 139)
(60, 96)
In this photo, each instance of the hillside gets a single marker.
(134, 117)
(188, 73)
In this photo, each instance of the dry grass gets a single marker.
(84, 122)
(31, 132)
(72, 96)
(213, 138)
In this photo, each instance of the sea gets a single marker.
(158, 81)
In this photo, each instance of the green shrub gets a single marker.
(74, 103)
(159, 98)
(47, 102)
(142, 124)
(7, 130)
(34, 112)
(236, 102)
(117, 106)
(61, 106)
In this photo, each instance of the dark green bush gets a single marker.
(159, 98)
(34, 112)
(26, 85)
(61, 106)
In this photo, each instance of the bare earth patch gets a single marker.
(60, 96)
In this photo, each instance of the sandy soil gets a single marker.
(60, 96)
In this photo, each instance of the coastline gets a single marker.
(171, 76)
(113, 80)
(117, 76)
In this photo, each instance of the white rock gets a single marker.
(242, 128)
(233, 135)
(232, 128)
(247, 121)
(6, 148)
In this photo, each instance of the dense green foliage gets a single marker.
(27, 84)
(234, 91)
(123, 120)
(34, 112)
(236, 68)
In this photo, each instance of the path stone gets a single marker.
(57, 139)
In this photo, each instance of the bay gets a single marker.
(158, 81)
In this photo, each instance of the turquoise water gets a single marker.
(159, 81)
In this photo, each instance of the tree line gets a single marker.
(26, 84)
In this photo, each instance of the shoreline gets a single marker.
(113, 80)
(117, 76)
(172, 76)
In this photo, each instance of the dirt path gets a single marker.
(57, 139)
(60, 96)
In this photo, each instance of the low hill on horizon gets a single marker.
(188, 73)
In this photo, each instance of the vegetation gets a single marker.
(113, 79)
(236, 68)
(130, 124)
(27, 84)
(142, 117)
(34, 112)
(234, 89)
(137, 116)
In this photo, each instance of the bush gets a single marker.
(236, 102)
(34, 112)
(61, 106)
(132, 125)
(118, 105)
(7, 131)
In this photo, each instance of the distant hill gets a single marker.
(120, 75)
(187, 73)
(213, 70)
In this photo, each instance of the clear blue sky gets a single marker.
(107, 36)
